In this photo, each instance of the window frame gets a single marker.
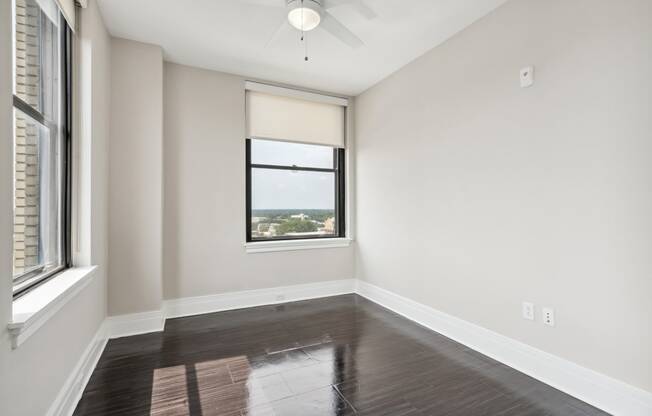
(338, 170)
(38, 275)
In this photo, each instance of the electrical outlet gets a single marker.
(528, 311)
(548, 316)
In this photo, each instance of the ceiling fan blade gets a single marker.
(365, 10)
(362, 7)
(337, 29)
(334, 3)
(270, 3)
(281, 28)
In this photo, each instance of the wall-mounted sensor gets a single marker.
(527, 76)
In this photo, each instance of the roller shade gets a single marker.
(291, 115)
(67, 7)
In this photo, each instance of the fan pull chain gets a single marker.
(303, 36)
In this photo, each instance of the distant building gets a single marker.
(27, 188)
(301, 216)
(329, 225)
(272, 230)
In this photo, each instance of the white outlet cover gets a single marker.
(527, 76)
(528, 311)
(548, 316)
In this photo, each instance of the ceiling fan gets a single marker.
(307, 15)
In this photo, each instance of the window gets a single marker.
(294, 191)
(295, 155)
(42, 74)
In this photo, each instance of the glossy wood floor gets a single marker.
(334, 356)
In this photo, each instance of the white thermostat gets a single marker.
(527, 76)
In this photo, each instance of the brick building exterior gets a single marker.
(26, 215)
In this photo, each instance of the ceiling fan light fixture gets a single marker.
(304, 15)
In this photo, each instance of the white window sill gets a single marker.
(290, 245)
(33, 309)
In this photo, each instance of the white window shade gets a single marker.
(286, 117)
(67, 7)
(50, 8)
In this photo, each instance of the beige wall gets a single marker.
(6, 188)
(475, 195)
(33, 374)
(135, 185)
(204, 208)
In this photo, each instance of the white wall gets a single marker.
(33, 374)
(204, 208)
(475, 195)
(136, 178)
(94, 102)
(6, 166)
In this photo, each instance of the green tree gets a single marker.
(296, 225)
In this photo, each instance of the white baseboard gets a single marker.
(601, 391)
(248, 298)
(135, 324)
(72, 389)
(154, 321)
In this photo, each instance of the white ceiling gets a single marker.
(231, 36)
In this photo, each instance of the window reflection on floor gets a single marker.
(289, 381)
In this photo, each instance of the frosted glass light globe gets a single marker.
(304, 18)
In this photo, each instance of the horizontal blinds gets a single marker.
(291, 117)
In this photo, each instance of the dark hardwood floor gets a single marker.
(334, 356)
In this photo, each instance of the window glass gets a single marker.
(37, 196)
(40, 148)
(37, 68)
(269, 152)
(287, 203)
